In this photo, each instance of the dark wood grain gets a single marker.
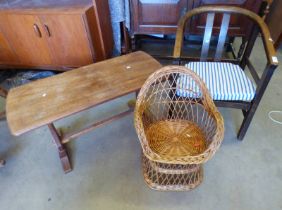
(158, 16)
(253, 71)
(161, 16)
(239, 26)
(270, 51)
(273, 21)
(102, 33)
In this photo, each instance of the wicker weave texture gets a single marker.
(177, 134)
(171, 177)
(173, 129)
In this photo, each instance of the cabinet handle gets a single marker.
(37, 30)
(47, 30)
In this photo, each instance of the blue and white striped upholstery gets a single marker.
(225, 81)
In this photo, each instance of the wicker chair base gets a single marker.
(171, 177)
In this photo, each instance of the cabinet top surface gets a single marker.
(47, 100)
(44, 5)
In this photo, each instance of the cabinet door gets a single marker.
(158, 16)
(238, 26)
(67, 38)
(26, 38)
(7, 54)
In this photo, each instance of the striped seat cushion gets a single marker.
(225, 81)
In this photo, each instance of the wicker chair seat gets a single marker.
(176, 138)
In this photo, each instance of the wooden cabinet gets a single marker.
(67, 39)
(23, 32)
(161, 16)
(60, 38)
(239, 26)
(6, 51)
(272, 19)
(158, 16)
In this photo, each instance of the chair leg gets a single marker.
(248, 116)
(61, 149)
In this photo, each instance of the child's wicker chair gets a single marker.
(177, 134)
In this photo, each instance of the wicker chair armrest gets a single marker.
(141, 132)
(219, 133)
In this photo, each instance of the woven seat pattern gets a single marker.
(176, 133)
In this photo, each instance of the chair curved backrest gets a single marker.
(158, 101)
(226, 11)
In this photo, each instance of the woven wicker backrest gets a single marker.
(159, 100)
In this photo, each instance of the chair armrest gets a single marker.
(268, 43)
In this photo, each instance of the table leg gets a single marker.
(61, 149)
(136, 93)
(131, 103)
(3, 92)
(2, 163)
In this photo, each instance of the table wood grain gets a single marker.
(44, 101)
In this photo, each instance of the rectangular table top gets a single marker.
(44, 101)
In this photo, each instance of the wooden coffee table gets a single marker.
(45, 101)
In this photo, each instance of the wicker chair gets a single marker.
(177, 135)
